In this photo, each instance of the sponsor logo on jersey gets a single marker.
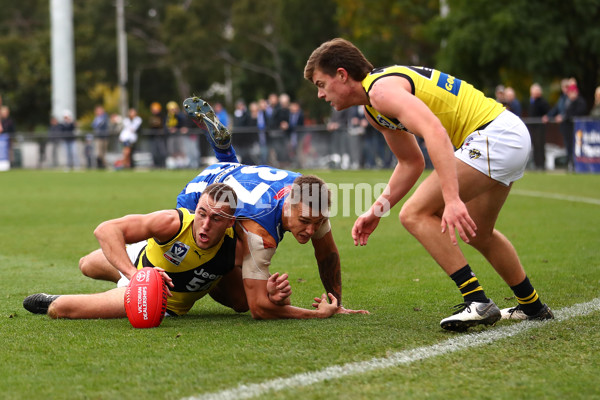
(201, 281)
(282, 192)
(467, 142)
(385, 123)
(177, 253)
(449, 83)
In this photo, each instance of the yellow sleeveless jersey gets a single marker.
(194, 271)
(460, 107)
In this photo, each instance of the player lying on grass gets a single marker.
(467, 189)
(196, 255)
(271, 202)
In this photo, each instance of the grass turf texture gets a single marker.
(47, 219)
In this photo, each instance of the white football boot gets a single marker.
(471, 314)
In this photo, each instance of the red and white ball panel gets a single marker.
(146, 298)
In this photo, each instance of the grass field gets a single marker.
(46, 224)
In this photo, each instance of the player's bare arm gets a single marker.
(261, 307)
(391, 96)
(406, 173)
(328, 260)
(258, 248)
(279, 289)
(113, 235)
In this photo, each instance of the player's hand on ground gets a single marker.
(456, 217)
(324, 308)
(279, 289)
(167, 279)
(342, 310)
(363, 227)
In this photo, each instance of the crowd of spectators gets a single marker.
(273, 131)
(539, 113)
(281, 136)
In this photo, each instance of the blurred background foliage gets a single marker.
(244, 49)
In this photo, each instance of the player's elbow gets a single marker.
(256, 314)
(261, 312)
(99, 231)
(85, 266)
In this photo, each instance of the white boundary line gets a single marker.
(400, 358)
(556, 196)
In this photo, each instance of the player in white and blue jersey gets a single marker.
(271, 202)
(263, 190)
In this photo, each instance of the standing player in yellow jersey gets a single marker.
(467, 189)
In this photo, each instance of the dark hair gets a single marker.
(222, 193)
(313, 192)
(338, 53)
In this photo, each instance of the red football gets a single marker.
(146, 298)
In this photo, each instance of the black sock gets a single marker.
(469, 286)
(527, 297)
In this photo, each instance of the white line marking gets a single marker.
(403, 357)
(556, 196)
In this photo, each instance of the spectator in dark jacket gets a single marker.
(576, 107)
(538, 107)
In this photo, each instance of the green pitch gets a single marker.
(46, 224)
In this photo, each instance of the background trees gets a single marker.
(520, 42)
(232, 49)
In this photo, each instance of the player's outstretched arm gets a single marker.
(328, 260)
(261, 307)
(114, 234)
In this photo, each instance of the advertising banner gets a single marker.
(587, 145)
(4, 152)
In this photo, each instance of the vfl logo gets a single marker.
(177, 253)
(474, 154)
(449, 83)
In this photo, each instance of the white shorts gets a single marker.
(500, 150)
(133, 251)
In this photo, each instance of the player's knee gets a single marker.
(84, 266)
(240, 307)
(408, 218)
(239, 303)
